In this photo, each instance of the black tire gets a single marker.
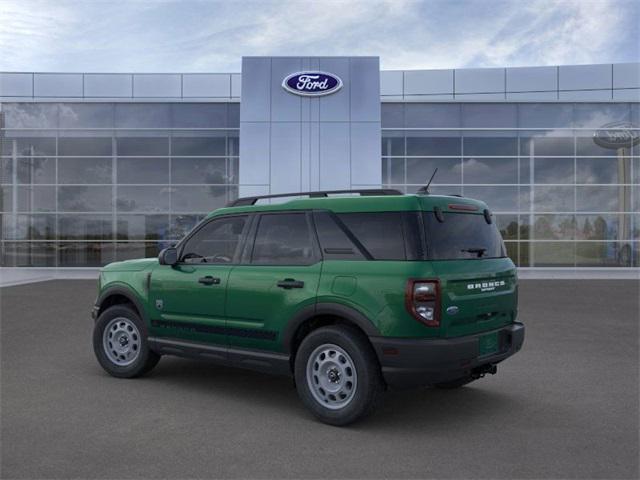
(145, 359)
(453, 384)
(369, 385)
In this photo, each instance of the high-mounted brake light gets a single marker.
(463, 207)
(422, 300)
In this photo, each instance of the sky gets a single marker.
(212, 36)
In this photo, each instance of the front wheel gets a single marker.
(337, 375)
(120, 343)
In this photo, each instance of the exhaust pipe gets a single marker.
(483, 370)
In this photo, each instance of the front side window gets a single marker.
(215, 242)
(462, 236)
(283, 239)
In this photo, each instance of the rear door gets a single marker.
(477, 279)
(279, 275)
(188, 299)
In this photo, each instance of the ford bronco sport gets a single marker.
(348, 294)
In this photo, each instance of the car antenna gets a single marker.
(425, 190)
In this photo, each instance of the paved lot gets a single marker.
(565, 407)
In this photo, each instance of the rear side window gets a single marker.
(462, 236)
(283, 239)
(385, 235)
(334, 241)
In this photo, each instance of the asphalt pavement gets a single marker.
(566, 406)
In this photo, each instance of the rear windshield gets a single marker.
(462, 236)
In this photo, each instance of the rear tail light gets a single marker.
(422, 299)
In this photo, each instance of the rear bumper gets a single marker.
(410, 363)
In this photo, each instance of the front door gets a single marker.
(188, 299)
(278, 277)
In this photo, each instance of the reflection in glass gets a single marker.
(603, 170)
(199, 170)
(84, 146)
(490, 146)
(131, 250)
(553, 170)
(142, 115)
(198, 146)
(36, 170)
(419, 170)
(86, 115)
(30, 115)
(28, 254)
(432, 145)
(85, 227)
(554, 227)
(29, 227)
(604, 254)
(198, 199)
(541, 145)
(603, 198)
(508, 226)
(143, 146)
(498, 199)
(84, 170)
(393, 144)
(36, 199)
(143, 170)
(552, 254)
(490, 170)
(604, 226)
(393, 170)
(553, 199)
(93, 254)
(143, 227)
(84, 199)
(143, 199)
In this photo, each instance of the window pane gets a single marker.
(554, 227)
(38, 254)
(367, 227)
(603, 170)
(6, 170)
(507, 225)
(84, 199)
(598, 114)
(489, 115)
(198, 199)
(546, 146)
(490, 170)
(215, 242)
(142, 115)
(432, 115)
(28, 227)
(604, 227)
(83, 115)
(603, 199)
(84, 146)
(586, 146)
(143, 146)
(30, 146)
(432, 146)
(199, 170)
(545, 115)
(85, 227)
(143, 199)
(36, 170)
(283, 239)
(490, 146)
(198, 146)
(36, 199)
(30, 115)
(392, 115)
(84, 170)
(94, 254)
(552, 254)
(199, 115)
(392, 144)
(498, 199)
(553, 199)
(143, 170)
(143, 227)
(604, 254)
(553, 170)
(394, 170)
(419, 170)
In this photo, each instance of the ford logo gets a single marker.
(617, 135)
(312, 84)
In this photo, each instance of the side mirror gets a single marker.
(168, 256)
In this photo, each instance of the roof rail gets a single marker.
(244, 201)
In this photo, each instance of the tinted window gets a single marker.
(215, 242)
(283, 239)
(462, 236)
(334, 242)
(382, 234)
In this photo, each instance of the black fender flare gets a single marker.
(333, 309)
(128, 294)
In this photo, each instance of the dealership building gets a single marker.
(98, 167)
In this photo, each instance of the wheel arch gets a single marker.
(322, 314)
(118, 295)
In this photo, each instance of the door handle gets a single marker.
(289, 283)
(209, 280)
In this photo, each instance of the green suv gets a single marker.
(349, 294)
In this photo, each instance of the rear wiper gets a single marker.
(478, 251)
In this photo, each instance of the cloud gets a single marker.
(199, 35)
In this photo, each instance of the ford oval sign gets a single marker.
(617, 135)
(312, 84)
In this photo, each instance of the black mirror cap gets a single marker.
(168, 256)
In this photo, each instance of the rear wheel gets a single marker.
(337, 375)
(120, 343)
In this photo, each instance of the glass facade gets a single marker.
(560, 199)
(84, 184)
